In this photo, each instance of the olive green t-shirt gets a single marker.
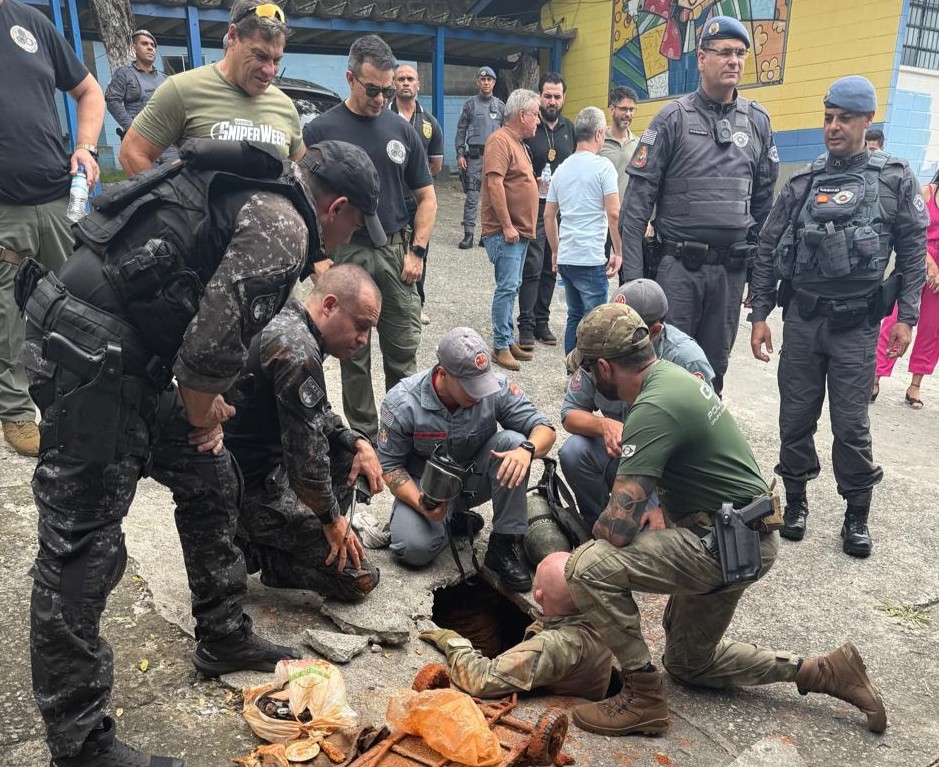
(201, 103)
(679, 432)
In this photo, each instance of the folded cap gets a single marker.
(725, 28)
(486, 72)
(349, 172)
(645, 296)
(610, 331)
(853, 93)
(137, 32)
(464, 355)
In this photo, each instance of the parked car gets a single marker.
(310, 99)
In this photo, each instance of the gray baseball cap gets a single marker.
(464, 355)
(645, 296)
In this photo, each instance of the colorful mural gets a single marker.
(655, 41)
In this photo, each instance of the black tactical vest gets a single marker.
(153, 242)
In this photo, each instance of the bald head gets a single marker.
(550, 586)
(344, 305)
(346, 282)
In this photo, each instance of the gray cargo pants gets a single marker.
(474, 180)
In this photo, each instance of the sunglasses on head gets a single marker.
(265, 11)
(372, 90)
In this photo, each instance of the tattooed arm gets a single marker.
(405, 489)
(622, 518)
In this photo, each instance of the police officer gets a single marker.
(459, 404)
(480, 117)
(561, 652)
(298, 459)
(708, 162)
(596, 423)
(828, 238)
(176, 271)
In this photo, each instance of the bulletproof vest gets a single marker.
(486, 119)
(159, 237)
(840, 232)
(708, 185)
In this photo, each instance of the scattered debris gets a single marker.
(335, 647)
(911, 614)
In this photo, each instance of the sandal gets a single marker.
(874, 392)
(914, 402)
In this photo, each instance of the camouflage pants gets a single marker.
(81, 546)
(673, 561)
(285, 540)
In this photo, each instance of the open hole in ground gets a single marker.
(481, 614)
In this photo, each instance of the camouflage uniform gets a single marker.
(563, 654)
(81, 503)
(296, 455)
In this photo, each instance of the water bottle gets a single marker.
(78, 195)
(545, 181)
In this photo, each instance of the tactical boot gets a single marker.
(639, 707)
(467, 242)
(102, 749)
(546, 337)
(855, 537)
(794, 518)
(843, 675)
(504, 358)
(520, 354)
(526, 340)
(505, 560)
(23, 437)
(242, 650)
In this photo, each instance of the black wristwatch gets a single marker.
(420, 251)
(529, 446)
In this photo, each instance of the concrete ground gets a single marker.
(814, 599)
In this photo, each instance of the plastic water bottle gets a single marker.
(78, 195)
(545, 181)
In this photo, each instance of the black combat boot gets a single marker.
(504, 559)
(794, 517)
(467, 242)
(242, 650)
(103, 749)
(855, 537)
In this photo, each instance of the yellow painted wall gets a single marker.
(827, 39)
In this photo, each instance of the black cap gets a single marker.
(349, 172)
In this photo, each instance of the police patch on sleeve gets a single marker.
(383, 437)
(629, 451)
(386, 417)
(515, 389)
(648, 137)
(919, 203)
(641, 157)
(310, 393)
(263, 308)
(773, 154)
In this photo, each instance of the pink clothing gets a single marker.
(926, 342)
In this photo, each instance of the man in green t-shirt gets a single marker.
(232, 100)
(680, 439)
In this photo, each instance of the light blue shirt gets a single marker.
(579, 187)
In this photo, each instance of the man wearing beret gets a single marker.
(707, 164)
(680, 440)
(828, 239)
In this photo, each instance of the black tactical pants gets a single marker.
(538, 282)
(82, 554)
(812, 355)
(705, 304)
(285, 540)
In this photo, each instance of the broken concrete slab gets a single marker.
(335, 647)
(774, 751)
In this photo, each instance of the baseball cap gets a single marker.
(645, 296)
(350, 172)
(464, 355)
(854, 93)
(610, 331)
(486, 72)
(137, 32)
(725, 28)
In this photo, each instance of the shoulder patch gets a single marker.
(387, 417)
(649, 136)
(641, 157)
(919, 203)
(628, 451)
(383, 437)
(773, 154)
(310, 393)
(577, 381)
(515, 389)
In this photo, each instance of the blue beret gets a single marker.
(854, 93)
(485, 72)
(724, 28)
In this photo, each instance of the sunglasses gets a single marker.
(372, 90)
(265, 11)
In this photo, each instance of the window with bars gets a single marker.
(921, 44)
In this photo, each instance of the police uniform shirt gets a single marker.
(394, 147)
(478, 120)
(427, 127)
(560, 139)
(414, 421)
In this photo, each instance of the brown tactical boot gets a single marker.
(504, 358)
(640, 707)
(520, 354)
(23, 436)
(842, 675)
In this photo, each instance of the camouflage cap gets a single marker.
(464, 355)
(610, 331)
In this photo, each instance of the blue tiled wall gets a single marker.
(907, 134)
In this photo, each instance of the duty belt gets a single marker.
(475, 151)
(695, 254)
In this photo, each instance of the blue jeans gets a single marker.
(508, 258)
(585, 288)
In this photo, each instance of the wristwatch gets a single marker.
(420, 251)
(90, 148)
(529, 446)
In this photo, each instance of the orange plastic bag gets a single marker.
(308, 685)
(449, 722)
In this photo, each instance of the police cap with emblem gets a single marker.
(350, 172)
(138, 32)
(464, 355)
(645, 296)
(724, 28)
(611, 331)
(486, 72)
(853, 93)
